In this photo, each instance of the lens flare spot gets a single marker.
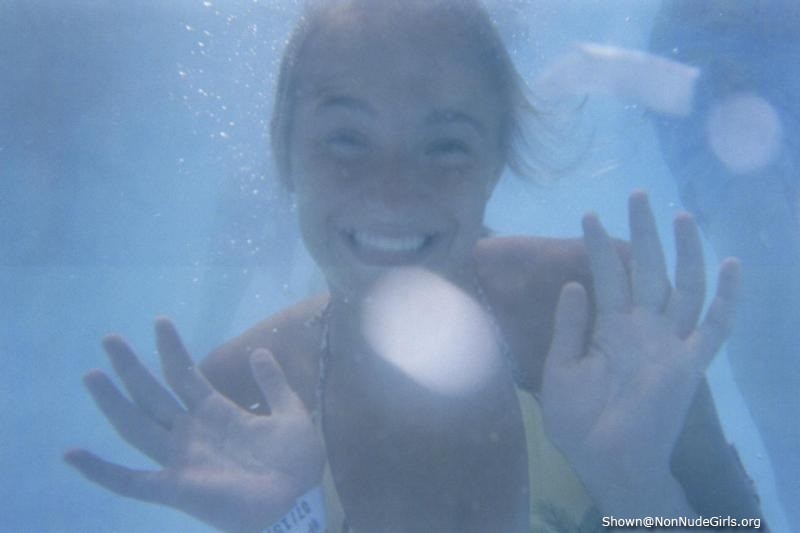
(744, 132)
(432, 331)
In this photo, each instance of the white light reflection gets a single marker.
(744, 132)
(432, 331)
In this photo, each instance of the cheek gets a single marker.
(471, 193)
(468, 210)
(314, 229)
(316, 174)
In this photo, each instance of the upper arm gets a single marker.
(708, 467)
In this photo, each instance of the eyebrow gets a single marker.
(435, 118)
(345, 102)
(454, 116)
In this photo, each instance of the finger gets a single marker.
(712, 333)
(144, 389)
(687, 299)
(272, 382)
(611, 287)
(132, 425)
(140, 485)
(650, 282)
(570, 326)
(179, 369)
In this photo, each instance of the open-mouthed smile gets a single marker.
(379, 248)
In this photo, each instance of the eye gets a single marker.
(347, 144)
(449, 151)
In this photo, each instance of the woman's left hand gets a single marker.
(616, 408)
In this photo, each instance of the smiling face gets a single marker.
(394, 148)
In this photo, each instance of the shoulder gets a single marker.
(508, 265)
(512, 269)
(522, 278)
(292, 336)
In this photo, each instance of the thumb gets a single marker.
(272, 382)
(571, 322)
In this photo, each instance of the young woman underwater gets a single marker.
(392, 124)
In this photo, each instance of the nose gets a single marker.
(396, 184)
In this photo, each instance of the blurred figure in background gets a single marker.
(736, 161)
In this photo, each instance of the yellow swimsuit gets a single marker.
(559, 503)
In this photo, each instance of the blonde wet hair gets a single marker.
(474, 26)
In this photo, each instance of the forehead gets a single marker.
(408, 56)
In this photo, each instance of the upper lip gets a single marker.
(398, 234)
(408, 228)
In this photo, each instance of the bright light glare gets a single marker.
(432, 331)
(744, 132)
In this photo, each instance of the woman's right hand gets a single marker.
(233, 469)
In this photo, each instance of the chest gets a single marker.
(403, 458)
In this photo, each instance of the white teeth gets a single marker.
(389, 244)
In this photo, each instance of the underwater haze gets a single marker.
(137, 181)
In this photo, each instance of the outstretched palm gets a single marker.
(233, 469)
(616, 409)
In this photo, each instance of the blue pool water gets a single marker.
(136, 181)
